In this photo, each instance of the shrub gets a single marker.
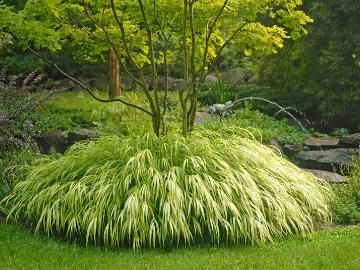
(218, 93)
(9, 172)
(16, 102)
(153, 192)
(346, 207)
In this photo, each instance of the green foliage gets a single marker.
(340, 132)
(18, 4)
(54, 118)
(219, 93)
(346, 207)
(149, 191)
(262, 127)
(20, 62)
(75, 110)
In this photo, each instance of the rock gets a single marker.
(322, 143)
(233, 75)
(274, 142)
(65, 84)
(127, 82)
(353, 140)
(292, 149)
(210, 80)
(50, 83)
(150, 82)
(324, 160)
(81, 135)
(51, 142)
(162, 84)
(206, 109)
(88, 82)
(100, 82)
(201, 117)
(329, 177)
(177, 84)
(3, 144)
(92, 70)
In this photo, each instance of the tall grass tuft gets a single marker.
(154, 192)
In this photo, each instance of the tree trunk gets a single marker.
(114, 75)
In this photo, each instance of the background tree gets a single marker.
(114, 75)
(322, 72)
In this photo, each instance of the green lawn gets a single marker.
(332, 249)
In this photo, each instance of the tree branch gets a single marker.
(128, 53)
(123, 35)
(209, 32)
(111, 43)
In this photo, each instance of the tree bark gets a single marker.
(114, 75)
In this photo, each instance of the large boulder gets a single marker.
(88, 82)
(127, 83)
(162, 84)
(100, 82)
(210, 80)
(292, 149)
(177, 84)
(352, 140)
(66, 84)
(57, 141)
(326, 160)
(329, 177)
(233, 75)
(275, 143)
(322, 143)
(81, 135)
(202, 117)
(52, 142)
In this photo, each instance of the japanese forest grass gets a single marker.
(153, 192)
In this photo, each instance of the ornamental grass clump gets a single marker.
(151, 192)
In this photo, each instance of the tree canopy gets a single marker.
(149, 36)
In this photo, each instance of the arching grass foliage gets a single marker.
(152, 192)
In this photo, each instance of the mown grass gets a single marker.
(332, 249)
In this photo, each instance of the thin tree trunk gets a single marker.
(182, 92)
(192, 94)
(114, 75)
